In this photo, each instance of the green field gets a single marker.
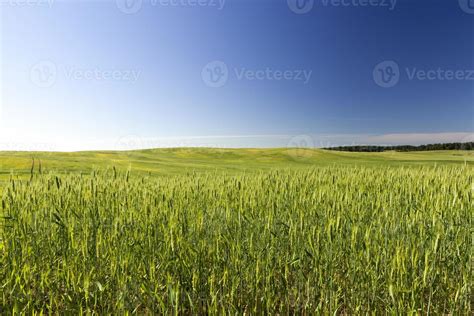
(182, 160)
(242, 231)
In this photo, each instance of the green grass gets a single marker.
(183, 160)
(196, 231)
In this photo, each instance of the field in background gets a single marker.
(208, 231)
(183, 160)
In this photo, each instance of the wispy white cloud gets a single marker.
(421, 138)
(133, 142)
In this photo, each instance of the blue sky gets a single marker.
(235, 73)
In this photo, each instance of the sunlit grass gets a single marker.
(322, 240)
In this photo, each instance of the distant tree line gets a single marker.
(370, 148)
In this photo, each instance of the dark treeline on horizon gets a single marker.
(372, 148)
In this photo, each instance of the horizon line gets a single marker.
(313, 141)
